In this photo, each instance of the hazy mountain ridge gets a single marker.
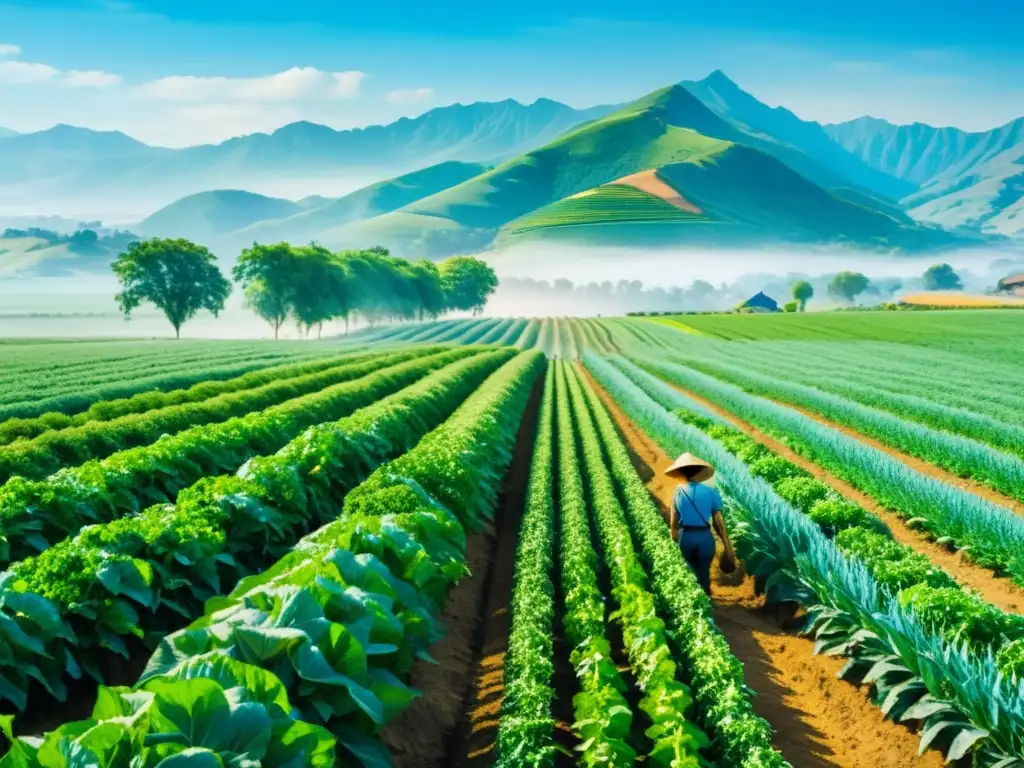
(972, 179)
(67, 163)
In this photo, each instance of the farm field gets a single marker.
(445, 544)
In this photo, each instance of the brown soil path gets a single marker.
(998, 591)
(819, 720)
(924, 467)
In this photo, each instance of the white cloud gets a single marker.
(20, 72)
(90, 79)
(295, 84)
(409, 95)
(7, 49)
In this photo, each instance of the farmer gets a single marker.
(695, 508)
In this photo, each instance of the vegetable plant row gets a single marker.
(526, 727)
(63, 391)
(106, 410)
(962, 702)
(139, 576)
(961, 455)
(50, 451)
(124, 381)
(962, 406)
(937, 599)
(330, 632)
(676, 741)
(603, 715)
(989, 534)
(34, 514)
(740, 737)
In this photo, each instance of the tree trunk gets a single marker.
(319, 329)
(346, 325)
(177, 330)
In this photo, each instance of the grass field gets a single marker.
(444, 544)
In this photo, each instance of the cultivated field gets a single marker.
(445, 544)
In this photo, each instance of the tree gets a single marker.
(791, 306)
(266, 273)
(941, 277)
(320, 288)
(468, 282)
(177, 276)
(803, 292)
(426, 280)
(848, 285)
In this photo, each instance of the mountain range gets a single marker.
(700, 161)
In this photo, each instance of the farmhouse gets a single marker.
(759, 302)
(1014, 284)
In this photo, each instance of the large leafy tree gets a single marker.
(803, 292)
(848, 285)
(177, 276)
(941, 277)
(468, 283)
(267, 274)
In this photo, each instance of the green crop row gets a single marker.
(340, 619)
(498, 332)
(677, 741)
(603, 715)
(42, 456)
(79, 392)
(106, 410)
(989, 534)
(740, 738)
(34, 514)
(526, 728)
(963, 456)
(964, 705)
(137, 576)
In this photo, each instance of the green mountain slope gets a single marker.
(747, 190)
(365, 203)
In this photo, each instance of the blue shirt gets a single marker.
(706, 501)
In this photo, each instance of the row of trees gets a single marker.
(310, 285)
(847, 286)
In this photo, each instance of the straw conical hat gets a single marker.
(689, 460)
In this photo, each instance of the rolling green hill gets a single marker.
(736, 185)
(38, 257)
(365, 203)
(208, 216)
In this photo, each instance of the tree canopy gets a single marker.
(848, 285)
(176, 276)
(941, 277)
(803, 292)
(312, 285)
(468, 282)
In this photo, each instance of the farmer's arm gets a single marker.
(719, 522)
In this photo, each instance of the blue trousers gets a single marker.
(699, 552)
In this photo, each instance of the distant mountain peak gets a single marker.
(718, 79)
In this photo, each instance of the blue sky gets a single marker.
(176, 72)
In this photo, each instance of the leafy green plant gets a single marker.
(34, 514)
(678, 741)
(134, 576)
(526, 728)
(217, 712)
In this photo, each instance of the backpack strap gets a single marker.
(706, 521)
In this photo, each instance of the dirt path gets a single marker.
(819, 720)
(437, 728)
(998, 591)
(922, 466)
